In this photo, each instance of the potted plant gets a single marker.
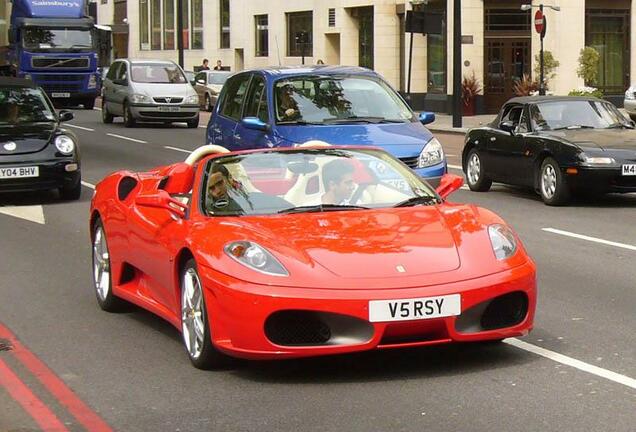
(470, 89)
(525, 86)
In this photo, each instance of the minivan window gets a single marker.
(256, 100)
(112, 72)
(157, 73)
(233, 99)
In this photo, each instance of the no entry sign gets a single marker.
(539, 22)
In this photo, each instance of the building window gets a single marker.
(144, 35)
(507, 20)
(365, 37)
(168, 25)
(607, 30)
(262, 46)
(185, 14)
(225, 23)
(197, 24)
(436, 53)
(300, 34)
(155, 15)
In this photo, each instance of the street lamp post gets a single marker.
(541, 25)
(180, 31)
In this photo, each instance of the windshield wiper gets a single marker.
(321, 208)
(575, 127)
(361, 119)
(418, 200)
(299, 122)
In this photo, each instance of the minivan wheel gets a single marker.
(194, 122)
(106, 116)
(129, 120)
(208, 103)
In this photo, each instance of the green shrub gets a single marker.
(589, 60)
(549, 66)
(586, 91)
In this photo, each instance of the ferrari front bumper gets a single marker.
(246, 319)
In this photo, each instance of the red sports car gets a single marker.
(307, 251)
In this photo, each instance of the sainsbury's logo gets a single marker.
(61, 3)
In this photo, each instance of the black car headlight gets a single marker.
(256, 257)
(597, 160)
(64, 144)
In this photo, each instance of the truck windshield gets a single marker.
(23, 105)
(37, 38)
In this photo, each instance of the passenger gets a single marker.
(337, 177)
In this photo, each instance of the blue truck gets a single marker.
(52, 42)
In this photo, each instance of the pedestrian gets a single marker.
(204, 65)
(218, 66)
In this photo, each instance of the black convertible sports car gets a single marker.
(556, 145)
(35, 152)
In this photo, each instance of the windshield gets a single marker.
(218, 78)
(309, 180)
(36, 38)
(157, 73)
(575, 114)
(334, 99)
(24, 105)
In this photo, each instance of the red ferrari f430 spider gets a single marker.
(306, 251)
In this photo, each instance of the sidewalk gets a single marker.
(444, 123)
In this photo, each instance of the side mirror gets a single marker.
(66, 115)
(426, 117)
(161, 199)
(508, 126)
(449, 184)
(254, 123)
(201, 81)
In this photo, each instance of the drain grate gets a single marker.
(5, 345)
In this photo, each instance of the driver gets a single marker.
(13, 113)
(337, 177)
(220, 196)
(288, 108)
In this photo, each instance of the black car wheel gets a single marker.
(194, 122)
(71, 193)
(552, 185)
(208, 103)
(106, 116)
(129, 120)
(89, 103)
(195, 328)
(477, 180)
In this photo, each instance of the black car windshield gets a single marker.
(45, 39)
(218, 78)
(24, 105)
(337, 99)
(310, 180)
(157, 73)
(575, 114)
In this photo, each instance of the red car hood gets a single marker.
(322, 248)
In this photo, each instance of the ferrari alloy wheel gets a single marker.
(102, 271)
(194, 324)
(552, 186)
(477, 180)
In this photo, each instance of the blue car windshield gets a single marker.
(337, 99)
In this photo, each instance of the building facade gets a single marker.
(4, 22)
(499, 43)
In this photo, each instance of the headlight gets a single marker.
(597, 160)
(27, 76)
(140, 98)
(194, 99)
(629, 94)
(432, 154)
(502, 240)
(64, 144)
(92, 81)
(255, 257)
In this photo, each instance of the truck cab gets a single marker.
(54, 46)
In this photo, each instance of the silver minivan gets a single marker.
(149, 91)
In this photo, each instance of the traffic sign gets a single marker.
(539, 22)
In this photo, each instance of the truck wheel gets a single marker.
(89, 103)
(129, 120)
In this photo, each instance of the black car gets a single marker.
(556, 145)
(35, 152)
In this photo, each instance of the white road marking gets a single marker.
(80, 127)
(88, 185)
(33, 213)
(98, 109)
(569, 361)
(457, 167)
(464, 187)
(127, 138)
(203, 127)
(177, 149)
(591, 239)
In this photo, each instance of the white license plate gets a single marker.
(414, 309)
(61, 95)
(19, 172)
(170, 108)
(629, 170)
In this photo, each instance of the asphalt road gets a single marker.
(83, 369)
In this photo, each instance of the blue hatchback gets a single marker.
(339, 105)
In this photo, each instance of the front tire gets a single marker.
(107, 117)
(71, 193)
(129, 120)
(102, 275)
(208, 103)
(194, 122)
(553, 188)
(195, 328)
(89, 103)
(475, 176)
